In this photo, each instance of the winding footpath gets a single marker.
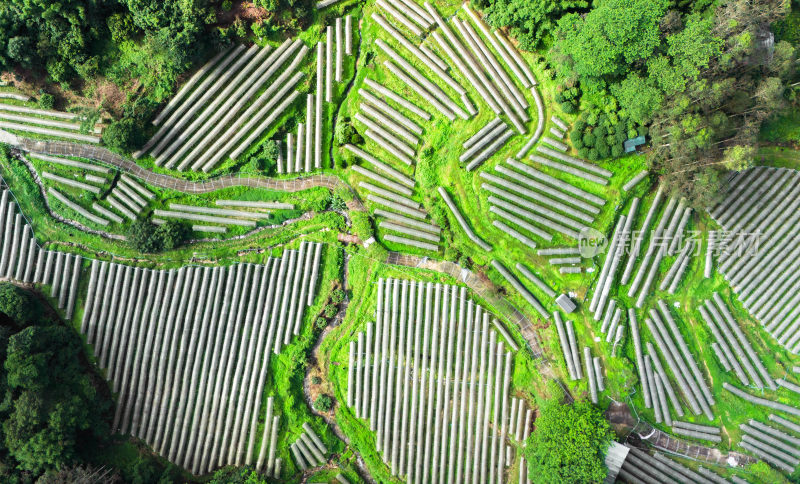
(637, 430)
(484, 288)
(330, 420)
(105, 156)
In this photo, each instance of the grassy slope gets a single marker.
(694, 289)
(55, 233)
(286, 370)
(443, 168)
(295, 113)
(311, 199)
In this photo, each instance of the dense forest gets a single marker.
(697, 77)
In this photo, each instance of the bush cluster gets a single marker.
(598, 137)
(147, 237)
(345, 133)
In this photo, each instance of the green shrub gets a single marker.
(18, 304)
(146, 237)
(600, 131)
(121, 26)
(265, 158)
(346, 133)
(122, 135)
(337, 204)
(788, 28)
(262, 28)
(603, 150)
(439, 215)
(330, 311)
(239, 28)
(345, 194)
(46, 101)
(316, 380)
(233, 475)
(337, 296)
(362, 225)
(227, 5)
(568, 444)
(142, 236)
(173, 234)
(529, 21)
(324, 403)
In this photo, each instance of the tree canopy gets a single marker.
(568, 444)
(628, 55)
(147, 237)
(529, 21)
(50, 407)
(59, 34)
(712, 125)
(699, 79)
(18, 304)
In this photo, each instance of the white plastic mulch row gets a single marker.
(29, 128)
(433, 382)
(23, 260)
(219, 113)
(763, 268)
(303, 147)
(543, 203)
(152, 333)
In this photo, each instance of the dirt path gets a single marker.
(102, 155)
(355, 204)
(315, 357)
(108, 235)
(489, 292)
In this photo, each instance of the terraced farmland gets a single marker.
(188, 350)
(403, 239)
(432, 378)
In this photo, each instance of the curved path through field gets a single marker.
(103, 155)
(484, 288)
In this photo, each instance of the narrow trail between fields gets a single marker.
(74, 223)
(350, 83)
(103, 155)
(314, 357)
(635, 430)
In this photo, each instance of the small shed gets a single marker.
(565, 303)
(631, 144)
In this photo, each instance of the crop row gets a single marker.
(433, 382)
(187, 350)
